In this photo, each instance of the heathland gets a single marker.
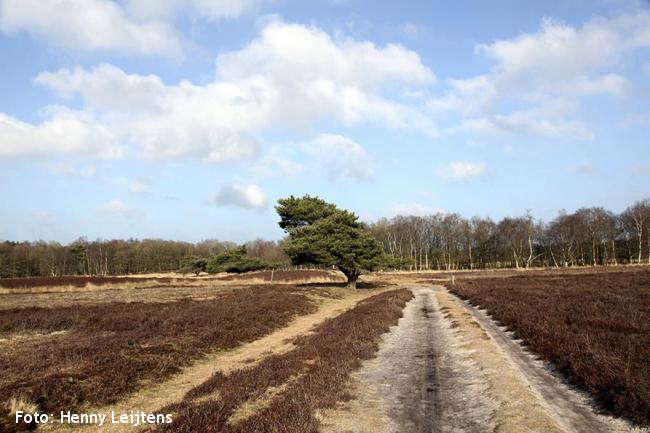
(296, 352)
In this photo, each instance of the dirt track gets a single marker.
(152, 398)
(447, 367)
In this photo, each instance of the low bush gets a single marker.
(107, 350)
(595, 328)
(314, 375)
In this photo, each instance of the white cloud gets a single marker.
(64, 132)
(413, 209)
(291, 76)
(278, 162)
(303, 75)
(210, 10)
(412, 29)
(119, 208)
(561, 59)
(557, 63)
(89, 25)
(344, 158)
(287, 52)
(553, 57)
(136, 186)
(545, 120)
(164, 122)
(524, 123)
(249, 196)
(67, 170)
(458, 171)
(140, 185)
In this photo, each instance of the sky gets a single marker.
(189, 119)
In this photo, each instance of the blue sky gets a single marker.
(188, 119)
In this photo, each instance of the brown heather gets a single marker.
(593, 327)
(311, 377)
(110, 350)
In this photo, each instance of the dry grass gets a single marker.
(78, 284)
(594, 327)
(295, 276)
(14, 405)
(112, 349)
(312, 376)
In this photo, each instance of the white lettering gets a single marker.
(29, 418)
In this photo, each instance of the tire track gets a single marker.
(573, 410)
(417, 383)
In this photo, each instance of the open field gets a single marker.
(402, 354)
(593, 327)
(85, 283)
(89, 355)
(283, 392)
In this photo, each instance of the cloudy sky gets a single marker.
(188, 119)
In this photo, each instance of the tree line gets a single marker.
(588, 236)
(443, 241)
(119, 257)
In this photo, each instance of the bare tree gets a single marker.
(636, 218)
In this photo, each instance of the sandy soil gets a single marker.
(448, 368)
(418, 382)
(157, 396)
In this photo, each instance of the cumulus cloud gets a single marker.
(140, 186)
(344, 158)
(118, 208)
(67, 170)
(292, 76)
(136, 186)
(64, 132)
(210, 10)
(89, 25)
(304, 74)
(248, 196)
(163, 122)
(458, 171)
(524, 123)
(557, 63)
(314, 56)
(139, 27)
(278, 162)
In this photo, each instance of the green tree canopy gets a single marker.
(234, 261)
(320, 233)
(193, 264)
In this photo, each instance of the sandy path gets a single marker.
(157, 396)
(417, 383)
(448, 368)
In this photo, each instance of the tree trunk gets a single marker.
(352, 275)
(529, 261)
(593, 251)
(640, 242)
